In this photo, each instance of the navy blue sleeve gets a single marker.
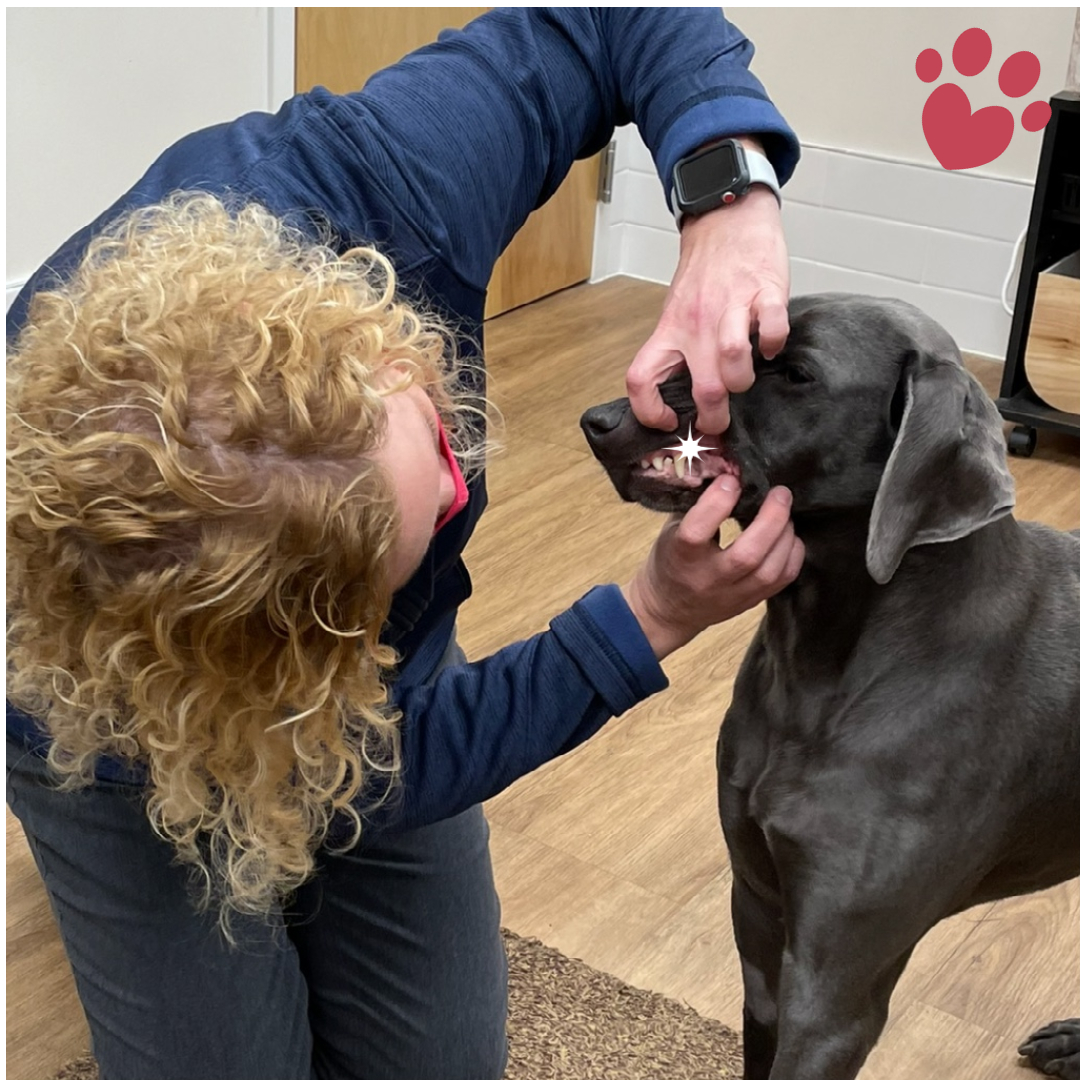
(476, 131)
(476, 728)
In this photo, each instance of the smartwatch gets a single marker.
(716, 176)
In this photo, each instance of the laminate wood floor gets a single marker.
(613, 854)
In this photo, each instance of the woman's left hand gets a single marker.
(732, 281)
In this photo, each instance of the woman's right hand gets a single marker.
(688, 583)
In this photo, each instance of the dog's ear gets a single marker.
(946, 475)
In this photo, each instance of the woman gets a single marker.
(236, 516)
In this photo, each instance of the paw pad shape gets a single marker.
(959, 138)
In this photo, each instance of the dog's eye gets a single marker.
(790, 373)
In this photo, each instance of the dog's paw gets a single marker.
(959, 138)
(1055, 1049)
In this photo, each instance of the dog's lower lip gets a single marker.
(669, 482)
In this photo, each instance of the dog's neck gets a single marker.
(835, 540)
(833, 590)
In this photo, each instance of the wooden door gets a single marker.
(340, 48)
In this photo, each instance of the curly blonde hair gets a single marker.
(198, 534)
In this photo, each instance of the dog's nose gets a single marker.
(602, 419)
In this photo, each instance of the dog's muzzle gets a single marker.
(647, 466)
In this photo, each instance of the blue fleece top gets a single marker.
(438, 161)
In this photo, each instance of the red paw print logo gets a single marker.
(959, 138)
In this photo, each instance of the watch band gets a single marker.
(761, 171)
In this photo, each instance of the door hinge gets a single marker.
(607, 173)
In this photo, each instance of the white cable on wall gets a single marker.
(1017, 255)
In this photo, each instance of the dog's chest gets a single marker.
(792, 718)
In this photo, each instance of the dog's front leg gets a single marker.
(756, 912)
(759, 935)
(835, 983)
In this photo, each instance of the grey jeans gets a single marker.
(388, 965)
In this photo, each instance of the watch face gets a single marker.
(716, 170)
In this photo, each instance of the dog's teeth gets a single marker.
(680, 467)
(668, 461)
(658, 463)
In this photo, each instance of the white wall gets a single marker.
(845, 77)
(95, 94)
(869, 209)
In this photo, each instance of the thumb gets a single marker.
(703, 520)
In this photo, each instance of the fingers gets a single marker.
(702, 521)
(781, 566)
(795, 561)
(768, 539)
(726, 365)
(720, 362)
(733, 352)
(772, 321)
(689, 583)
(652, 365)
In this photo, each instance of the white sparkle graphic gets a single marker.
(689, 448)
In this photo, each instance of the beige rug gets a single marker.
(570, 1022)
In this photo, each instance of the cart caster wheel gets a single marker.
(1022, 441)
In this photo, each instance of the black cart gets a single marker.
(1053, 232)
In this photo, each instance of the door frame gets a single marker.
(280, 56)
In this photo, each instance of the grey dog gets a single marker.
(904, 737)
